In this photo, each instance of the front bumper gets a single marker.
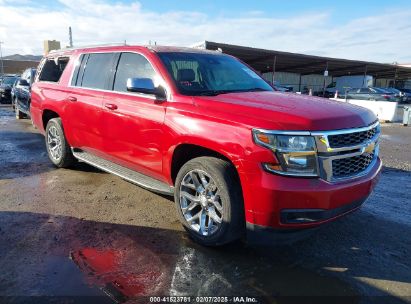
(286, 204)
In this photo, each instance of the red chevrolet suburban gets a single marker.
(240, 158)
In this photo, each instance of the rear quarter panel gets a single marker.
(52, 95)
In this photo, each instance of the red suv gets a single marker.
(239, 158)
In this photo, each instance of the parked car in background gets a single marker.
(13, 91)
(282, 88)
(6, 83)
(239, 158)
(22, 93)
(344, 83)
(397, 93)
(407, 93)
(371, 93)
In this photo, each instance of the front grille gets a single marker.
(346, 167)
(351, 139)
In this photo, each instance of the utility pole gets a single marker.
(1, 59)
(70, 37)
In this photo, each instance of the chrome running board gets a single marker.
(132, 176)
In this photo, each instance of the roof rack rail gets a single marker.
(88, 47)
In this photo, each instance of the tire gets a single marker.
(227, 207)
(58, 149)
(19, 114)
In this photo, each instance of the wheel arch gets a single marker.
(47, 115)
(184, 152)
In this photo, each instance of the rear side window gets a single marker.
(96, 71)
(52, 69)
(131, 65)
(78, 66)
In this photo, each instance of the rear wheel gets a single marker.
(209, 201)
(57, 147)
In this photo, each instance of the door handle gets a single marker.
(72, 98)
(111, 106)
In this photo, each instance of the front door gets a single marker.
(133, 122)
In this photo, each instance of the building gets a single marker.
(50, 45)
(18, 66)
(313, 72)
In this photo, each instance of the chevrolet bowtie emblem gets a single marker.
(323, 139)
(370, 148)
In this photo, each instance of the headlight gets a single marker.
(296, 153)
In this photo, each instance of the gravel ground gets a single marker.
(82, 232)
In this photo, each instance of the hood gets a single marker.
(287, 111)
(5, 87)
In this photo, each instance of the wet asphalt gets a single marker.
(84, 236)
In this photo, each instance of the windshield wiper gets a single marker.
(254, 90)
(213, 92)
(218, 92)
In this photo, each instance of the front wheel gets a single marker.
(19, 114)
(57, 147)
(209, 201)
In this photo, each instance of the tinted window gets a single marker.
(131, 65)
(51, 71)
(97, 69)
(364, 90)
(79, 63)
(379, 90)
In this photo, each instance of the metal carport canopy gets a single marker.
(263, 61)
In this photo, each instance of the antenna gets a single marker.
(70, 37)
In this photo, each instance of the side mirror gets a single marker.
(23, 83)
(145, 86)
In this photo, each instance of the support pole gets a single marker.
(326, 69)
(395, 76)
(299, 85)
(365, 75)
(1, 59)
(274, 64)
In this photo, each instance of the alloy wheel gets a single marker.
(200, 202)
(54, 143)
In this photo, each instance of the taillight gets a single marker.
(386, 96)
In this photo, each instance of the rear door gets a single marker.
(84, 109)
(133, 122)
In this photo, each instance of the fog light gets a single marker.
(298, 161)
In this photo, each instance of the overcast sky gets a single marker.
(377, 31)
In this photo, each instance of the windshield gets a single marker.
(9, 80)
(211, 74)
(394, 90)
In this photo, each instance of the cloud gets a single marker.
(376, 38)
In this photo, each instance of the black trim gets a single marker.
(300, 216)
(268, 236)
